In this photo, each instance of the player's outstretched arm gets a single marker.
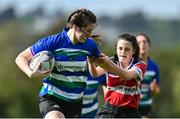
(108, 65)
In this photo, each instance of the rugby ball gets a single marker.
(45, 58)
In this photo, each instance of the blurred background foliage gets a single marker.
(19, 93)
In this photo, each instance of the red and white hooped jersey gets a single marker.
(125, 93)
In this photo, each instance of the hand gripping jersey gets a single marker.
(90, 98)
(67, 80)
(125, 93)
(152, 73)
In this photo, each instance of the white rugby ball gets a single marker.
(45, 58)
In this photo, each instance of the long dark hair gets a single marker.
(81, 18)
(132, 39)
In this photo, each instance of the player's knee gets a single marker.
(54, 115)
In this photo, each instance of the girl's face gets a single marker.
(143, 45)
(125, 51)
(85, 32)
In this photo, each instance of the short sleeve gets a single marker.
(44, 44)
(140, 69)
(157, 74)
(95, 51)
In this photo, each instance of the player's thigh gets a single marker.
(72, 109)
(48, 104)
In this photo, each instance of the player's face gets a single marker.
(85, 32)
(143, 44)
(125, 51)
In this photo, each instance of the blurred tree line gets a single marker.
(19, 93)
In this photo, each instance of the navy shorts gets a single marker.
(145, 110)
(110, 111)
(49, 103)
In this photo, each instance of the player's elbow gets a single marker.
(94, 75)
(17, 59)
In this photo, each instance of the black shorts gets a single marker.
(49, 103)
(145, 110)
(110, 111)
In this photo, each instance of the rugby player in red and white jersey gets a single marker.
(125, 71)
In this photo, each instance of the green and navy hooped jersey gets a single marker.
(90, 99)
(152, 73)
(67, 80)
